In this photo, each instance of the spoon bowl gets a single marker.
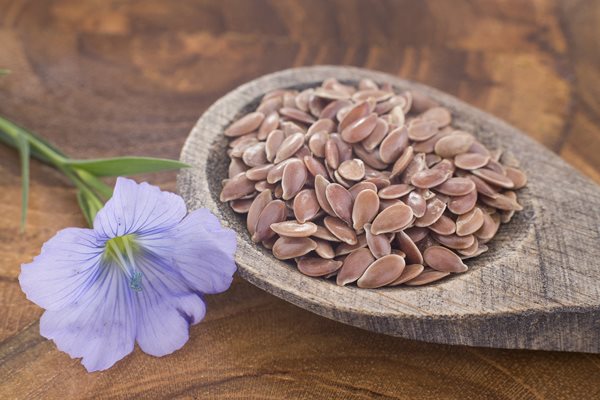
(538, 286)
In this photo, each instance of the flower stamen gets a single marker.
(122, 250)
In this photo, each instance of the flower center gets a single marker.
(122, 251)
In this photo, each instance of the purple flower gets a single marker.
(138, 275)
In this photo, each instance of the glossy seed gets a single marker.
(495, 166)
(382, 272)
(502, 202)
(488, 229)
(393, 218)
(269, 124)
(315, 167)
(434, 210)
(393, 145)
(259, 173)
(462, 204)
(236, 188)
(261, 186)
(292, 247)
(428, 145)
(518, 177)
(410, 272)
(418, 204)
(275, 174)
(297, 115)
(429, 178)
(340, 200)
(236, 167)
(289, 147)
(506, 215)
(321, 125)
(289, 128)
(469, 223)
(366, 207)
(375, 94)
(481, 248)
(270, 105)
(410, 249)
(372, 159)
(316, 143)
(241, 206)
(378, 244)
(339, 179)
(470, 161)
(395, 191)
(303, 99)
(454, 241)
(469, 251)
(438, 115)
(258, 204)
(274, 211)
(385, 107)
(494, 178)
(402, 162)
(379, 183)
(331, 94)
(244, 125)
(353, 169)
(443, 226)
(340, 230)
(443, 260)
(293, 179)
(453, 145)
(274, 140)
(325, 234)
(243, 144)
(321, 191)
(332, 154)
(330, 111)
(426, 277)
(483, 187)
(294, 229)
(315, 266)
(324, 249)
(354, 266)
(360, 110)
(379, 133)
(417, 233)
(306, 206)
(456, 187)
(345, 248)
(359, 129)
(422, 129)
(360, 186)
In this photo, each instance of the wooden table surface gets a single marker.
(106, 78)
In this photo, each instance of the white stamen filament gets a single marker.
(122, 252)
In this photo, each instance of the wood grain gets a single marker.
(112, 78)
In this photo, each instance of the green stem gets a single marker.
(39, 147)
(90, 186)
(95, 184)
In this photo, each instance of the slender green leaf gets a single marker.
(122, 166)
(23, 146)
(85, 207)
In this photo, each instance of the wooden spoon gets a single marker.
(538, 287)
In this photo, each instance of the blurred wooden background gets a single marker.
(103, 78)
